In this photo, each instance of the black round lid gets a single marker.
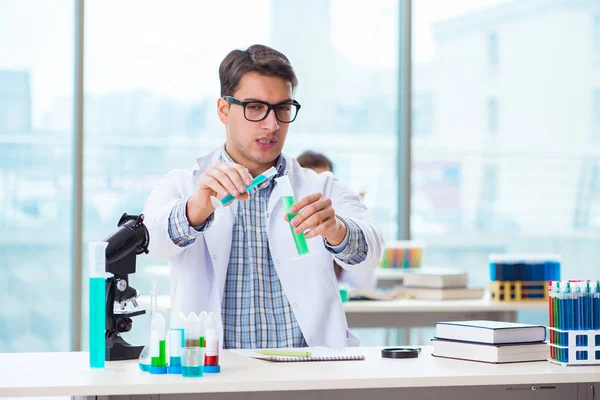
(400, 352)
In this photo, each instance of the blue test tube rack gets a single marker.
(574, 319)
(522, 277)
(574, 352)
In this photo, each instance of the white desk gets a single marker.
(409, 313)
(427, 377)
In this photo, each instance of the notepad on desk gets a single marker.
(300, 354)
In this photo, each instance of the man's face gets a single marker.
(255, 145)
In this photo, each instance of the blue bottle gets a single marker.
(97, 290)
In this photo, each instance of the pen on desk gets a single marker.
(284, 353)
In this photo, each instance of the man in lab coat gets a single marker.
(240, 261)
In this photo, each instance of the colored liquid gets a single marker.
(596, 311)
(528, 272)
(211, 360)
(97, 322)
(145, 367)
(344, 295)
(299, 239)
(192, 372)
(256, 181)
(211, 355)
(551, 321)
(175, 361)
(402, 258)
(161, 360)
(572, 308)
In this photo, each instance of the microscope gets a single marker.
(130, 239)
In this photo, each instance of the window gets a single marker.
(484, 216)
(534, 191)
(422, 113)
(36, 86)
(492, 50)
(492, 116)
(152, 84)
(596, 36)
(596, 113)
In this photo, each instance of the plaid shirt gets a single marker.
(255, 310)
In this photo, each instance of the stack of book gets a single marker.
(438, 284)
(490, 341)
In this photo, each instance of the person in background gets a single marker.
(315, 161)
(358, 279)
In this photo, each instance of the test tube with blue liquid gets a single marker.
(552, 315)
(176, 343)
(287, 196)
(595, 308)
(97, 293)
(192, 361)
(255, 182)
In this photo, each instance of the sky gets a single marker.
(173, 48)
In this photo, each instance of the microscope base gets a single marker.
(117, 349)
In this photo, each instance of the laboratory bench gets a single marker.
(425, 377)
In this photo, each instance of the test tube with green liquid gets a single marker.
(287, 196)
(255, 182)
(158, 340)
(97, 292)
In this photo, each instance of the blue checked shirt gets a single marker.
(255, 310)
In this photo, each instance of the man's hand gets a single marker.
(316, 213)
(219, 180)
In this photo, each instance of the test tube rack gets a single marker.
(402, 255)
(587, 352)
(518, 291)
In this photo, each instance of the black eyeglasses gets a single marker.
(255, 111)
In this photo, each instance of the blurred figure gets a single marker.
(357, 279)
(315, 161)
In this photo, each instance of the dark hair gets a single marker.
(311, 159)
(257, 58)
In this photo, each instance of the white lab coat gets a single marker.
(198, 271)
(361, 279)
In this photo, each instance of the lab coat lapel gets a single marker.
(219, 236)
(218, 241)
(273, 199)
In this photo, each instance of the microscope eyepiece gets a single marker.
(129, 239)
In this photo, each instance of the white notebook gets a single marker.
(317, 354)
